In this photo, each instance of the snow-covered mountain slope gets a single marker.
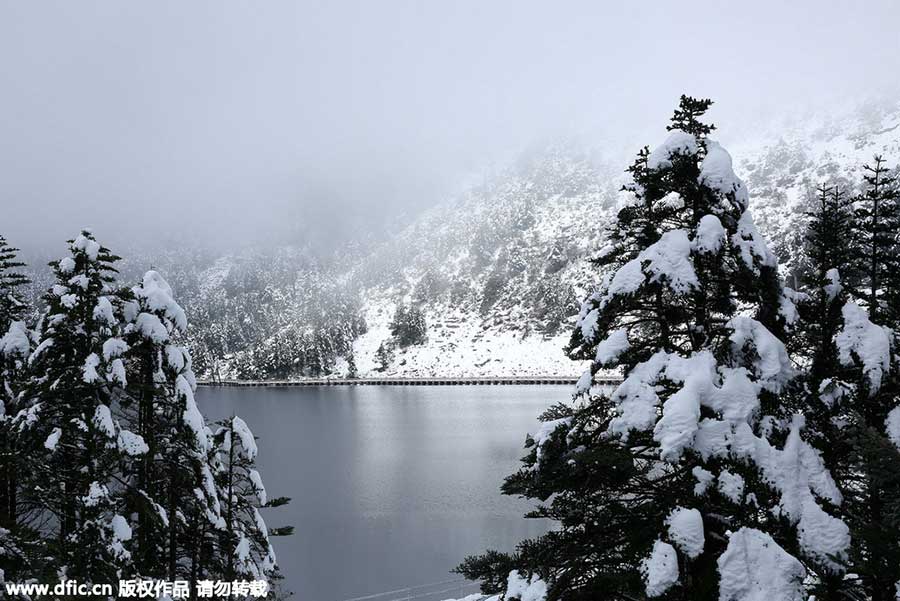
(499, 272)
(783, 165)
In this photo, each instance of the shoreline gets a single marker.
(474, 381)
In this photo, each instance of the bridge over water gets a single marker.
(475, 381)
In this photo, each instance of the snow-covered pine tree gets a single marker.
(852, 392)
(244, 548)
(352, 370)
(384, 356)
(76, 445)
(12, 278)
(15, 346)
(822, 393)
(690, 480)
(876, 268)
(408, 326)
(173, 489)
(828, 248)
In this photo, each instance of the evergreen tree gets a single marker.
(352, 371)
(173, 485)
(408, 326)
(384, 356)
(12, 280)
(876, 276)
(867, 347)
(245, 549)
(692, 479)
(108, 468)
(820, 391)
(852, 383)
(76, 446)
(15, 346)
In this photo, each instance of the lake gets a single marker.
(391, 486)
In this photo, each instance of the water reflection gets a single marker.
(391, 486)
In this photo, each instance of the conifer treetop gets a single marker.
(12, 305)
(687, 116)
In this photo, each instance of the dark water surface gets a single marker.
(391, 486)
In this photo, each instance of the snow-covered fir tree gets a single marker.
(384, 356)
(246, 552)
(352, 370)
(851, 379)
(692, 479)
(116, 473)
(12, 283)
(15, 347)
(173, 485)
(77, 446)
(876, 266)
(408, 326)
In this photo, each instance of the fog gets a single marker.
(237, 122)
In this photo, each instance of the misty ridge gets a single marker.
(493, 274)
(688, 214)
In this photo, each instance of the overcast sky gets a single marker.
(266, 119)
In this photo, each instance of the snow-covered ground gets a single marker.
(459, 345)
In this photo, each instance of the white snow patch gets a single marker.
(89, 370)
(544, 432)
(116, 372)
(660, 569)
(731, 486)
(754, 568)
(191, 416)
(121, 532)
(679, 422)
(588, 325)
(686, 531)
(90, 247)
(669, 260)
(868, 342)
(751, 244)
(79, 280)
(96, 493)
(68, 300)
(114, 347)
(773, 367)
(15, 342)
(53, 439)
(256, 481)
(892, 425)
(248, 442)
(672, 200)
(833, 287)
(710, 234)
(704, 480)
(612, 346)
(103, 421)
(678, 143)
(103, 312)
(131, 443)
(157, 297)
(518, 587)
(151, 327)
(636, 397)
(717, 172)
(66, 265)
